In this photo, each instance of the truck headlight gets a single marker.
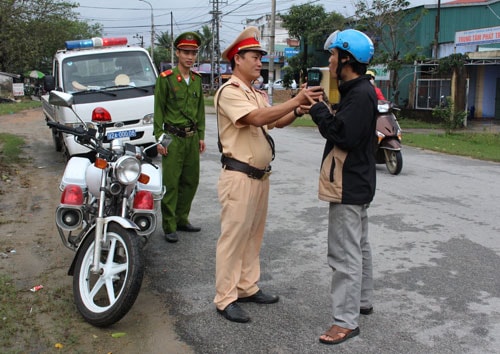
(148, 119)
(127, 169)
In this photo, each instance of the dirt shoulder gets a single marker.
(31, 253)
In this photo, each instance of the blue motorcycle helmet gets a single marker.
(356, 43)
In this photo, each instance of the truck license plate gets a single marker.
(121, 134)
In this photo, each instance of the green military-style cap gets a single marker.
(188, 41)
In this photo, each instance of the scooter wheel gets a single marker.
(393, 161)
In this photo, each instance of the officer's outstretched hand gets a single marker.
(310, 95)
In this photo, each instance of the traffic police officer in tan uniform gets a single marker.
(179, 110)
(244, 117)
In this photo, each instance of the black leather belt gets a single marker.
(182, 132)
(234, 165)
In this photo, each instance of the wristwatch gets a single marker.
(296, 112)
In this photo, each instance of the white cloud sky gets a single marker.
(132, 18)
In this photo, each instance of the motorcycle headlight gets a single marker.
(383, 108)
(127, 169)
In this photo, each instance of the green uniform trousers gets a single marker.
(181, 175)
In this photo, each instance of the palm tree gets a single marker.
(164, 39)
(206, 43)
(163, 50)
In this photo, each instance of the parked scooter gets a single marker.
(106, 213)
(388, 148)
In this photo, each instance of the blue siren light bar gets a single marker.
(95, 42)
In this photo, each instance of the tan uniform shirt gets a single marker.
(245, 143)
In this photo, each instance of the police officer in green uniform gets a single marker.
(179, 111)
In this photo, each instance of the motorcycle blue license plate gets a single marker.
(121, 134)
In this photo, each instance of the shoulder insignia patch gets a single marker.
(166, 73)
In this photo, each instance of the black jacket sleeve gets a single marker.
(348, 127)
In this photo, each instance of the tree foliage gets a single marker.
(386, 21)
(206, 35)
(312, 30)
(452, 62)
(163, 47)
(455, 63)
(449, 116)
(32, 30)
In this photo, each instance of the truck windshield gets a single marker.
(110, 70)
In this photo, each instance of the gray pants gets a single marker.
(349, 256)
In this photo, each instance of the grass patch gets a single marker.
(304, 121)
(209, 101)
(11, 108)
(417, 124)
(9, 317)
(10, 148)
(23, 315)
(484, 146)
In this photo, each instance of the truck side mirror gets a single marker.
(49, 83)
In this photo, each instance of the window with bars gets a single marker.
(432, 92)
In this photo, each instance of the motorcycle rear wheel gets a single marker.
(104, 298)
(393, 161)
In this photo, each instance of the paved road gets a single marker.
(434, 232)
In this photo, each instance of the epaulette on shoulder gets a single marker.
(166, 73)
(234, 83)
(195, 72)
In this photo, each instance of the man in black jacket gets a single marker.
(347, 180)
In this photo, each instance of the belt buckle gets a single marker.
(189, 133)
(266, 175)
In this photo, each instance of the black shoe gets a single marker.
(188, 228)
(260, 298)
(172, 237)
(367, 311)
(233, 312)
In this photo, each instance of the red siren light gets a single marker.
(107, 42)
(95, 42)
(72, 195)
(100, 115)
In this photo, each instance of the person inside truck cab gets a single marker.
(71, 78)
(126, 69)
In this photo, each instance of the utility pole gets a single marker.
(172, 49)
(270, 79)
(436, 31)
(215, 61)
(152, 29)
(141, 38)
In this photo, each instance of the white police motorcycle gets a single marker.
(106, 213)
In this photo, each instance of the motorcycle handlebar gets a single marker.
(78, 131)
(87, 138)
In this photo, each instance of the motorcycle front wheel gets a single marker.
(393, 161)
(104, 298)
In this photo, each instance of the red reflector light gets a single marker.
(72, 195)
(143, 200)
(100, 114)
